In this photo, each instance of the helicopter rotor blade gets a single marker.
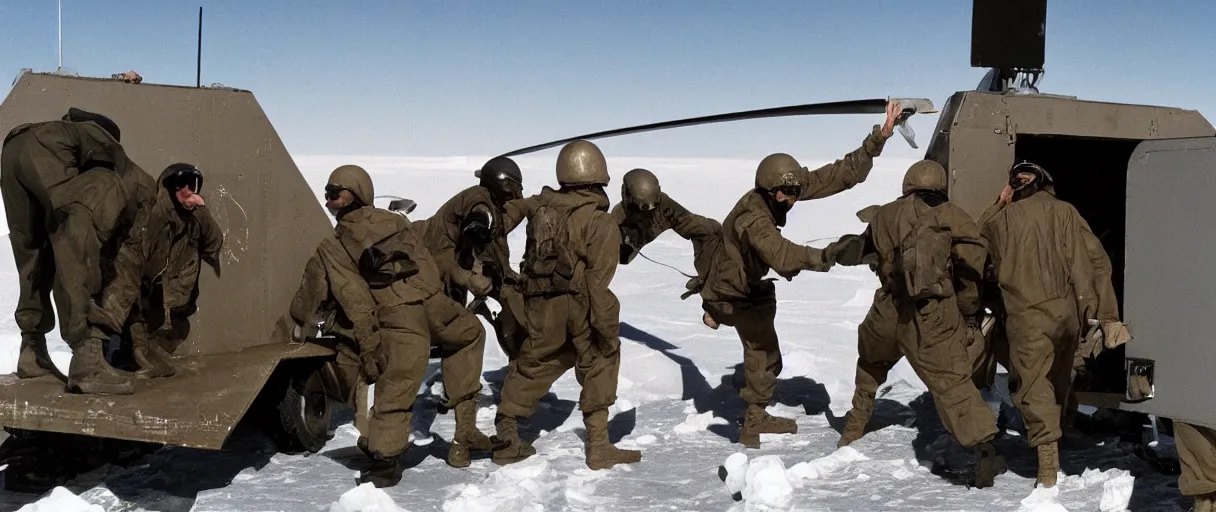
(871, 106)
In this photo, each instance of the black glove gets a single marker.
(848, 250)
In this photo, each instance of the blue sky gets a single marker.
(480, 78)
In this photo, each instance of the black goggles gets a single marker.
(332, 192)
(789, 190)
(187, 178)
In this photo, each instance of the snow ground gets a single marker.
(678, 401)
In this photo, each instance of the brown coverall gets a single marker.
(156, 270)
(577, 330)
(1197, 453)
(70, 193)
(735, 292)
(639, 228)
(397, 321)
(1043, 268)
(458, 256)
(932, 333)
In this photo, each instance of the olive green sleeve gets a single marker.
(1081, 271)
(311, 293)
(124, 289)
(517, 210)
(1104, 288)
(688, 225)
(783, 256)
(844, 173)
(211, 237)
(351, 292)
(604, 240)
(970, 253)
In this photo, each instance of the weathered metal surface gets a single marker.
(1171, 288)
(197, 408)
(271, 220)
(982, 130)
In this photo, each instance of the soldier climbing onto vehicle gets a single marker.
(931, 261)
(736, 292)
(387, 286)
(1043, 269)
(571, 255)
(156, 270)
(645, 212)
(467, 240)
(70, 194)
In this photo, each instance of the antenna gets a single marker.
(60, 35)
(198, 71)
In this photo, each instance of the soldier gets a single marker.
(387, 286)
(1197, 454)
(1042, 266)
(931, 261)
(645, 212)
(570, 258)
(877, 344)
(157, 269)
(70, 192)
(467, 239)
(736, 293)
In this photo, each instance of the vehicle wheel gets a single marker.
(301, 419)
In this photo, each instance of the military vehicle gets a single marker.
(232, 354)
(1140, 175)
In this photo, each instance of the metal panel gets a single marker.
(197, 408)
(1170, 282)
(271, 220)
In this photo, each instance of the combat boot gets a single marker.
(383, 473)
(467, 437)
(89, 372)
(758, 421)
(153, 361)
(508, 447)
(1205, 503)
(855, 422)
(35, 360)
(601, 453)
(1049, 464)
(988, 464)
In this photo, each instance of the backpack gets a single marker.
(548, 262)
(923, 259)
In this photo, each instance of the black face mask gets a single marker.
(779, 209)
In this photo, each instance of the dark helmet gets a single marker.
(181, 175)
(640, 189)
(76, 115)
(1043, 178)
(501, 175)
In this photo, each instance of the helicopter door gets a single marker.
(1170, 278)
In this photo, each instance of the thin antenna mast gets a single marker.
(198, 72)
(60, 35)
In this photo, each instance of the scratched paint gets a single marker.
(233, 247)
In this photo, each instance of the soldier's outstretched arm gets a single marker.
(783, 256)
(1080, 269)
(604, 240)
(688, 225)
(854, 168)
(517, 210)
(122, 291)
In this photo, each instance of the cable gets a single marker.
(666, 265)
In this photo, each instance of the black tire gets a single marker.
(301, 416)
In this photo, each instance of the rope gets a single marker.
(666, 265)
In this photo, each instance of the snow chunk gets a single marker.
(767, 485)
(698, 423)
(646, 439)
(736, 472)
(523, 486)
(61, 500)
(825, 465)
(1117, 492)
(1043, 499)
